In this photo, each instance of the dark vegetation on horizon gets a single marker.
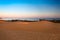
(20, 21)
(16, 20)
(54, 20)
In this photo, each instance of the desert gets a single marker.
(42, 30)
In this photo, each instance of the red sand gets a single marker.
(1, 21)
(43, 30)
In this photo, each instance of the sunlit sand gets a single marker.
(1, 21)
(42, 30)
(23, 23)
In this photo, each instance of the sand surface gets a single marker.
(43, 30)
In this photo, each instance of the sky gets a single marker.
(30, 8)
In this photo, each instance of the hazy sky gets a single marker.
(29, 8)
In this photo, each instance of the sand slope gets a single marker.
(43, 30)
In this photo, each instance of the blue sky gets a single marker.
(29, 8)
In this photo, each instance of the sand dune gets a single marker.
(43, 30)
